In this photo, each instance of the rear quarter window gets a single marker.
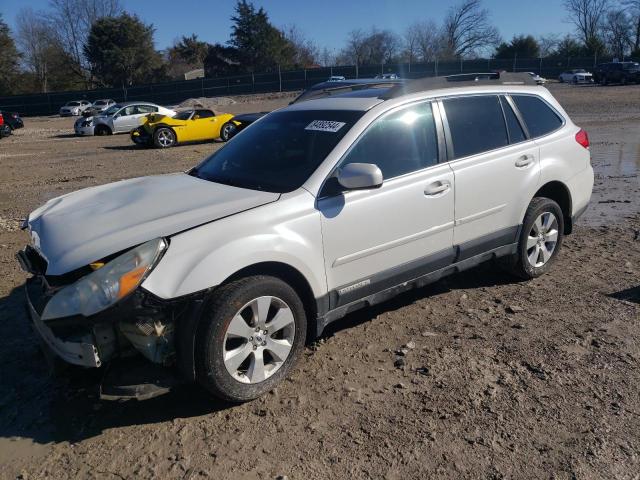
(539, 117)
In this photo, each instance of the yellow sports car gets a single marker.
(187, 126)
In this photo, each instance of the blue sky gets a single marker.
(327, 22)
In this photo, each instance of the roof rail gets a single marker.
(461, 80)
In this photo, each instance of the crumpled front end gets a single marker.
(138, 323)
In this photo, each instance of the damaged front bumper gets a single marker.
(140, 136)
(80, 350)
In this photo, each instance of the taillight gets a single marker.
(582, 138)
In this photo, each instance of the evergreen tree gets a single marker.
(9, 58)
(121, 51)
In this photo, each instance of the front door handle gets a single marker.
(437, 188)
(524, 161)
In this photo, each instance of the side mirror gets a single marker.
(355, 176)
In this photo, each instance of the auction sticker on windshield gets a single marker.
(325, 126)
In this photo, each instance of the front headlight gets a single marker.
(107, 285)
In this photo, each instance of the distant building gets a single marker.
(193, 74)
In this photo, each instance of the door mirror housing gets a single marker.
(358, 176)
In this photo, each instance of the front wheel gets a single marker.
(540, 239)
(250, 337)
(164, 138)
(227, 131)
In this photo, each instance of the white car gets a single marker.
(119, 118)
(102, 104)
(326, 206)
(578, 75)
(74, 108)
(537, 78)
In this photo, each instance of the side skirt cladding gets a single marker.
(418, 273)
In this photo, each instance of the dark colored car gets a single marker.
(320, 90)
(10, 121)
(617, 72)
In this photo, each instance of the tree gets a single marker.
(305, 51)
(633, 8)
(588, 16)
(9, 59)
(120, 51)
(73, 20)
(548, 44)
(411, 42)
(618, 33)
(520, 46)
(260, 45)
(569, 47)
(467, 29)
(221, 61)
(34, 39)
(190, 50)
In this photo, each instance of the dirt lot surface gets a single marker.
(499, 379)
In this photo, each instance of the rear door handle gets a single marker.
(437, 188)
(524, 161)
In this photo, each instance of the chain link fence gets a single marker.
(171, 93)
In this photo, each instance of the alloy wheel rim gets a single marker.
(258, 340)
(165, 139)
(542, 239)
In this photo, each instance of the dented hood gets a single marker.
(76, 229)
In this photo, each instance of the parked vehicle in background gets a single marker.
(12, 120)
(4, 129)
(74, 108)
(196, 125)
(617, 72)
(537, 78)
(118, 118)
(98, 106)
(387, 76)
(578, 75)
(336, 78)
(224, 272)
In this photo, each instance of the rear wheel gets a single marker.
(603, 80)
(540, 239)
(251, 336)
(164, 137)
(227, 131)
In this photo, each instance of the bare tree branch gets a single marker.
(467, 29)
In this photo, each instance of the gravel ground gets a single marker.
(477, 376)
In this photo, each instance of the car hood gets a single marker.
(76, 229)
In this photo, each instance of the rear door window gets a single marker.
(539, 117)
(476, 124)
(516, 135)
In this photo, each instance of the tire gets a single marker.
(560, 79)
(164, 137)
(624, 80)
(227, 131)
(603, 81)
(228, 326)
(102, 130)
(530, 261)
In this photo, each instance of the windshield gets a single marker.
(112, 110)
(631, 66)
(280, 152)
(73, 104)
(100, 102)
(183, 115)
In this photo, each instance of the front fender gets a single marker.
(286, 231)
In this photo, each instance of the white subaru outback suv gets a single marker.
(223, 272)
